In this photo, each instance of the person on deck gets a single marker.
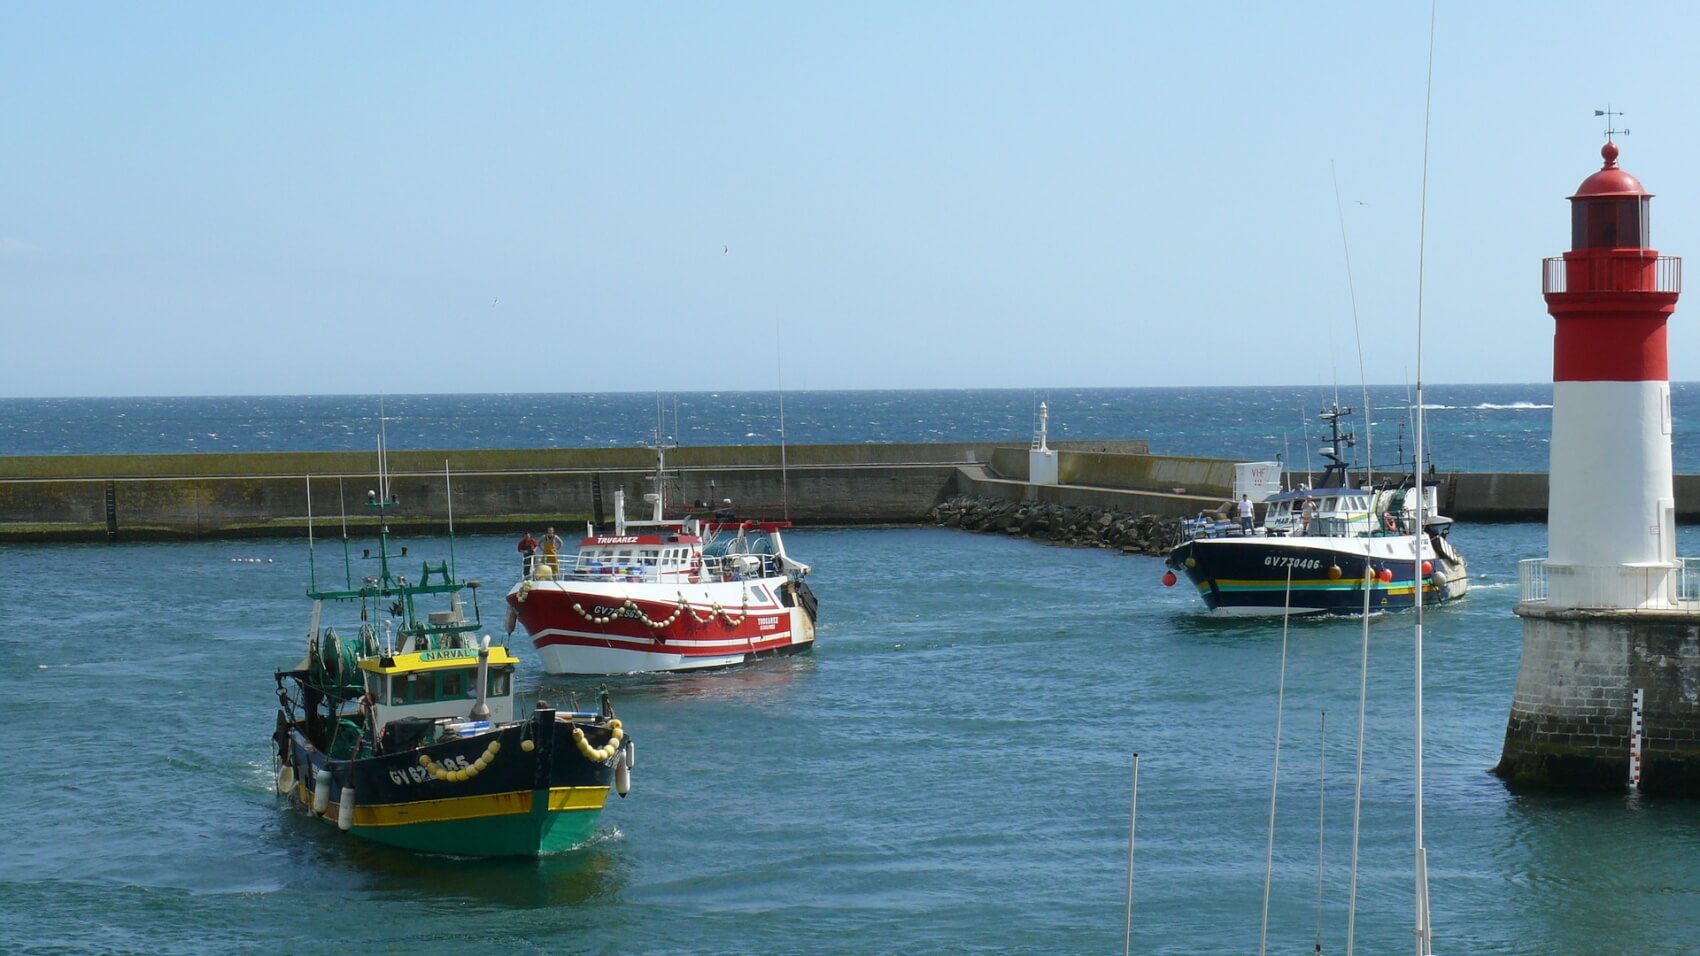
(527, 548)
(1305, 514)
(1247, 511)
(551, 548)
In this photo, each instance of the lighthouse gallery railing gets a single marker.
(1603, 587)
(1615, 273)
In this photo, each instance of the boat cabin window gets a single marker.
(500, 679)
(425, 687)
(449, 685)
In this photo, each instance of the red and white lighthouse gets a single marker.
(1611, 518)
(1605, 691)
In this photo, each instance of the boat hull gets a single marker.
(1249, 576)
(582, 628)
(521, 803)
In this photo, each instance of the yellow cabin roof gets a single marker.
(437, 660)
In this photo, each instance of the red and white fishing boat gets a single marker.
(667, 595)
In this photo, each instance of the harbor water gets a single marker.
(948, 771)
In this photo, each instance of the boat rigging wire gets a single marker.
(1357, 332)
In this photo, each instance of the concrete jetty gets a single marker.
(113, 497)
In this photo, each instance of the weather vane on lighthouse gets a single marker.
(1608, 113)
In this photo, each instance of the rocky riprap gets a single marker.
(1063, 524)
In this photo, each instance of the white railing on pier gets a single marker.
(1652, 588)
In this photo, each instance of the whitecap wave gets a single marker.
(1510, 406)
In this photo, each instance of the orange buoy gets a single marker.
(1428, 569)
(1333, 572)
(1386, 575)
(1169, 579)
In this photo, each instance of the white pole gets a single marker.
(1275, 774)
(1423, 930)
(1132, 823)
(1358, 787)
(1321, 820)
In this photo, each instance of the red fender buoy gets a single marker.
(1386, 575)
(1169, 579)
(1428, 569)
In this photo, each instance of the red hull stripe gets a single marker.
(681, 648)
(1610, 349)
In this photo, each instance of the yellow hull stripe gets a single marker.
(513, 803)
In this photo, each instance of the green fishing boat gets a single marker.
(401, 728)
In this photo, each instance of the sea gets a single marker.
(950, 770)
(1479, 428)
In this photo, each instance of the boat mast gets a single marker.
(312, 566)
(449, 495)
(779, 374)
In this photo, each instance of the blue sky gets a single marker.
(253, 199)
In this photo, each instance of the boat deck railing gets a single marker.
(1603, 588)
(728, 567)
(1321, 526)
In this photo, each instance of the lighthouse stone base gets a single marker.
(1570, 713)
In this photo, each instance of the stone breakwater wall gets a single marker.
(510, 491)
(1063, 524)
(113, 497)
(1570, 719)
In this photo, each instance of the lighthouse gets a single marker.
(1609, 617)
(1611, 517)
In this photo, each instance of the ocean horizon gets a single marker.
(1481, 428)
(1467, 427)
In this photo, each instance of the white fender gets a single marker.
(511, 620)
(345, 810)
(321, 791)
(285, 780)
(622, 778)
(631, 755)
